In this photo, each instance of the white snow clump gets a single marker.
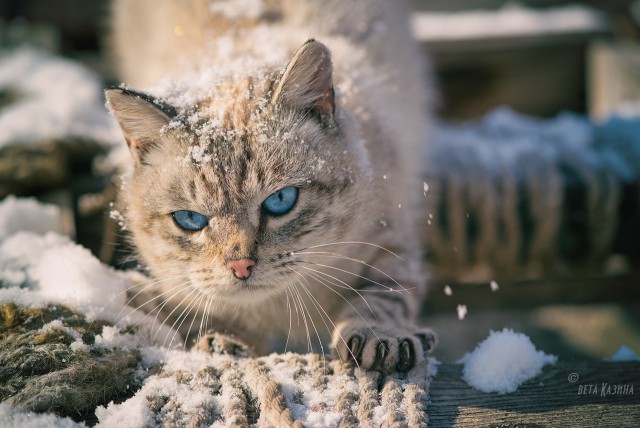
(503, 361)
(624, 353)
(18, 214)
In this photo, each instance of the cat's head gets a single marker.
(222, 193)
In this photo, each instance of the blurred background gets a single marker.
(537, 58)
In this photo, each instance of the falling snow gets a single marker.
(462, 311)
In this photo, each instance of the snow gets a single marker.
(503, 361)
(39, 266)
(494, 286)
(56, 99)
(447, 290)
(509, 21)
(624, 353)
(45, 268)
(462, 311)
(70, 273)
(13, 418)
(502, 129)
(18, 214)
(51, 268)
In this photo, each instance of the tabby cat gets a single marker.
(275, 180)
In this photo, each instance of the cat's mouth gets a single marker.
(245, 291)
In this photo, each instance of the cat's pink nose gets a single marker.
(242, 267)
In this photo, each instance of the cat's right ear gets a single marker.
(141, 118)
(307, 82)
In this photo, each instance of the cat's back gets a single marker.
(379, 76)
(150, 39)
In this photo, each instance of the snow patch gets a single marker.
(624, 353)
(70, 274)
(14, 418)
(509, 21)
(56, 99)
(18, 214)
(503, 361)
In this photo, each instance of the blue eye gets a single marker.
(190, 220)
(281, 202)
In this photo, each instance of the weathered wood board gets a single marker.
(568, 394)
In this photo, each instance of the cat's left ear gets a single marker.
(307, 83)
(141, 118)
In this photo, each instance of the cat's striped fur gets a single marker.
(232, 125)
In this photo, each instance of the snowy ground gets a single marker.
(39, 267)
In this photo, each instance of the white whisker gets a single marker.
(193, 320)
(185, 298)
(304, 318)
(356, 243)
(205, 316)
(287, 291)
(346, 286)
(342, 257)
(386, 287)
(150, 312)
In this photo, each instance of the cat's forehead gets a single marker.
(235, 144)
(258, 149)
(239, 125)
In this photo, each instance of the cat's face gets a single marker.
(222, 195)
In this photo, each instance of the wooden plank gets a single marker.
(569, 393)
(532, 293)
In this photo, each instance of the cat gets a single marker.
(275, 178)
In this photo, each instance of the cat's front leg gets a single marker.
(375, 329)
(379, 346)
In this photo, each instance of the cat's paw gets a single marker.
(385, 349)
(219, 343)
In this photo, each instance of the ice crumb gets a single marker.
(58, 325)
(118, 217)
(494, 286)
(447, 290)
(462, 311)
(624, 353)
(503, 361)
(425, 188)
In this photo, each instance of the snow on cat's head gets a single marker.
(227, 195)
